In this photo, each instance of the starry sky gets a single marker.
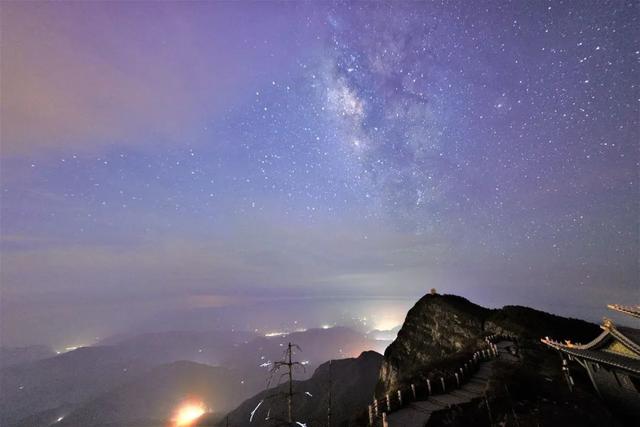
(157, 157)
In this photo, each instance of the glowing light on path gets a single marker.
(188, 413)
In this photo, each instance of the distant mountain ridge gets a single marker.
(36, 393)
(151, 398)
(67, 379)
(11, 356)
(353, 382)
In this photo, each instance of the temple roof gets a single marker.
(630, 337)
(616, 346)
(633, 311)
(599, 356)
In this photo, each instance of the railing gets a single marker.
(443, 384)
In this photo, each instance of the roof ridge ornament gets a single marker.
(607, 323)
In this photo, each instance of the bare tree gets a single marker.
(289, 365)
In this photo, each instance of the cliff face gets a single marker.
(436, 327)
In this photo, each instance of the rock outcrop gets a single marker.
(437, 327)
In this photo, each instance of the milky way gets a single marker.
(154, 153)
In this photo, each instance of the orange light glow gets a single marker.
(187, 413)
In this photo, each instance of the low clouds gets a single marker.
(175, 272)
(286, 259)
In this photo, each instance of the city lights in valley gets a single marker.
(187, 413)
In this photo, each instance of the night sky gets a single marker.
(160, 157)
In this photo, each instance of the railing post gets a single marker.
(443, 386)
(370, 416)
(429, 386)
(457, 379)
(567, 373)
(388, 402)
(413, 391)
(384, 420)
(400, 397)
(375, 407)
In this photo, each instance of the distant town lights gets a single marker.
(187, 413)
(70, 348)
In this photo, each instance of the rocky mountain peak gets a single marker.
(436, 327)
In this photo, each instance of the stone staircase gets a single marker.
(417, 414)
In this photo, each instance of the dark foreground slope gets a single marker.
(353, 382)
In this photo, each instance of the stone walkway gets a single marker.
(417, 414)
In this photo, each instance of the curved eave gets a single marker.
(608, 331)
(588, 346)
(601, 357)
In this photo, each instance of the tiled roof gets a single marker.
(630, 337)
(594, 351)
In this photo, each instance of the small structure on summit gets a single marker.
(611, 360)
